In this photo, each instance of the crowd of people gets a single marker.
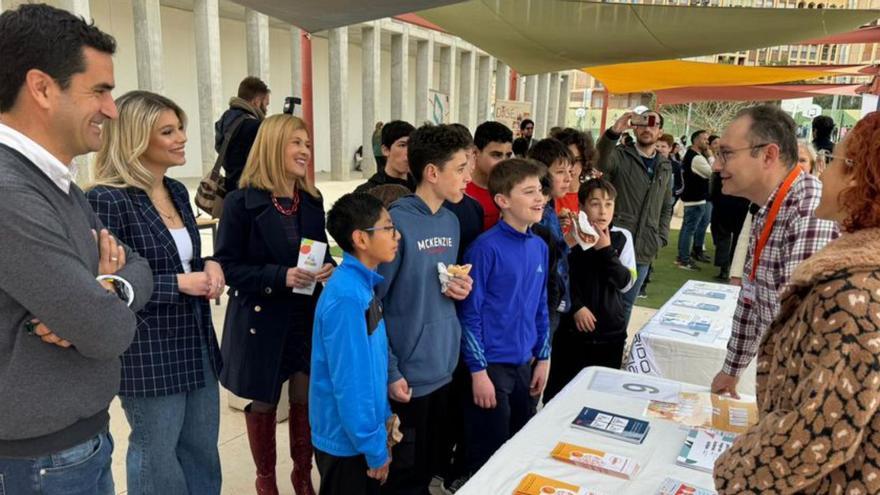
(480, 273)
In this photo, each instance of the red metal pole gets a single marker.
(605, 98)
(514, 85)
(306, 47)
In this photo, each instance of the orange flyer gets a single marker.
(595, 460)
(534, 484)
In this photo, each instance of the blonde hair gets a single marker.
(265, 163)
(811, 152)
(126, 138)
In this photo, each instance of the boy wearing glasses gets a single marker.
(349, 406)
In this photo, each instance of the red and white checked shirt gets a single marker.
(797, 234)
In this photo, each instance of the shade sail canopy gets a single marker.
(863, 35)
(752, 92)
(535, 36)
(640, 77)
(318, 15)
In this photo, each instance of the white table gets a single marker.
(666, 347)
(529, 450)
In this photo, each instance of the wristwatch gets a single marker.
(121, 286)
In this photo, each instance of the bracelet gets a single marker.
(122, 287)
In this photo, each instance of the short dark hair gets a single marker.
(583, 141)
(771, 125)
(713, 138)
(492, 132)
(251, 87)
(548, 151)
(394, 130)
(823, 126)
(464, 130)
(389, 193)
(697, 134)
(37, 36)
(591, 185)
(525, 123)
(433, 144)
(508, 173)
(353, 211)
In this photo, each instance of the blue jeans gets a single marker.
(173, 443)
(80, 470)
(693, 229)
(629, 298)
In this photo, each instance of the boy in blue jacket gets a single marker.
(505, 320)
(348, 403)
(424, 333)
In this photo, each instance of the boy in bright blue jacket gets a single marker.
(505, 319)
(348, 401)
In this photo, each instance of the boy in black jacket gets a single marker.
(593, 333)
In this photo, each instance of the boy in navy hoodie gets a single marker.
(504, 320)
(348, 401)
(424, 334)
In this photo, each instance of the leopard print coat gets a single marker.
(818, 382)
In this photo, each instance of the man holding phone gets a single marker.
(61, 330)
(642, 177)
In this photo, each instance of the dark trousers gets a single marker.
(426, 446)
(725, 243)
(486, 430)
(459, 392)
(344, 475)
(571, 354)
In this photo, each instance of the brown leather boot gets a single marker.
(301, 449)
(261, 437)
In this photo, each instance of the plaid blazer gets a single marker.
(166, 355)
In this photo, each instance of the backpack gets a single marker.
(212, 187)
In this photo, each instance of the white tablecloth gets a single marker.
(666, 347)
(529, 451)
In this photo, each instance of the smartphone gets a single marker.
(643, 120)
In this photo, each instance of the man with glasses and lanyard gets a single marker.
(756, 161)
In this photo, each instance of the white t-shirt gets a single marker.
(184, 247)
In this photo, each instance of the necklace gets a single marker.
(287, 211)
(164, 215)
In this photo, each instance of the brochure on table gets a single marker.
(699, 311)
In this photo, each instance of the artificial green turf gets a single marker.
(668, 278)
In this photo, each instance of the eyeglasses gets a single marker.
(391, 228)
(829, 158)
(725, 155)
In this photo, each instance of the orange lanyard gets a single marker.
(771, 218)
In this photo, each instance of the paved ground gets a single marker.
(238, 469)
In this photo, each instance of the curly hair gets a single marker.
(862, 201)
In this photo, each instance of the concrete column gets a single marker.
(484, 88)
(466, 90)
(553, 102)
(78, 7)
(399, 74)
(207, 29)
(257, 40)
(542, 106)
(424, 78)
(296, 76)
(148, 45)
(564, 100)
(448, 70)
(502, 81)
(521, 89)
(530, 92)
(340, 163)
(371, 68)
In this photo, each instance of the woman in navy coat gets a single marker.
(169, 389)
(267, 335)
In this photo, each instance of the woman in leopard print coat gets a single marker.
(819, 363)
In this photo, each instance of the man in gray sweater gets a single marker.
(61, 330)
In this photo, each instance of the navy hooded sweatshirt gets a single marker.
(424, 334)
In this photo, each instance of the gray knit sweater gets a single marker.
(53, 398)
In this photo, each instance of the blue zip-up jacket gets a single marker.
(348, 391)
(550, 220)
(423, 330)
(505, 319)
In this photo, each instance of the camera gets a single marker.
(643, 120)
(290, 103)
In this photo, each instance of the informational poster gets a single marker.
(511, 113)
(438, 107)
